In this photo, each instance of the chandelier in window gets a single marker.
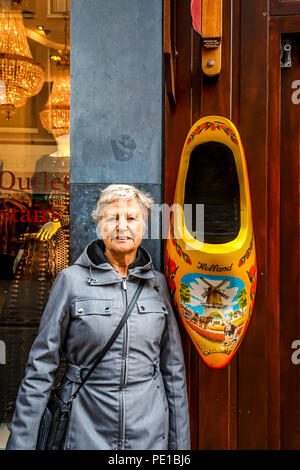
(21, 77)
(55, 115)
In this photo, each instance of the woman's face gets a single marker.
(122, 225)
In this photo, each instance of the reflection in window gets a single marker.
(34, 175)
(2, 92)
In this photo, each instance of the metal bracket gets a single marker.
(211, 33)
(285, 53)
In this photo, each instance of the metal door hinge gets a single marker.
(285, 53)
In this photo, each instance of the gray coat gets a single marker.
(136, 398)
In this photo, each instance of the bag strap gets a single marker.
(112, 338)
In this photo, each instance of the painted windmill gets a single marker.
(214, 303)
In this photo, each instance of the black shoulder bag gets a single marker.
(57, 413)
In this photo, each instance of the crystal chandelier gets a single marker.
(21, 77)
(55, 115)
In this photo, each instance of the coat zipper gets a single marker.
(125, 334)
(124, 287)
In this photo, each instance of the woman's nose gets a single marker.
(122, 223)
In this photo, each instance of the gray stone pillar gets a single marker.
(116, 106)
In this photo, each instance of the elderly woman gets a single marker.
(136, 397)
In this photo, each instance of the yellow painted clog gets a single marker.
(211, 268)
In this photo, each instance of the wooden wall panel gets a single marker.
(253, 366)
(219, 390)
(178, 120)
(273, 246)
(213, 408)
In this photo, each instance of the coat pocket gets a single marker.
(152, 306)
(83, 307)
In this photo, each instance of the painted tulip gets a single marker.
(172, 284)
(172, 266)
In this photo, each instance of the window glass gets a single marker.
(34, 174)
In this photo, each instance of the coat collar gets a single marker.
(96, 249)
(101, 272)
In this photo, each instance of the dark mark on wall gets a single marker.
(123, 147)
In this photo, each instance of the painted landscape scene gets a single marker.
(215, 309)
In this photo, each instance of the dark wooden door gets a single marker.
(254, 402)
(288, 187)
(289, 248)
(283, 231)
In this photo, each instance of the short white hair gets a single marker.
(127, 192)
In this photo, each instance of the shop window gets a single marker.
(34, 174)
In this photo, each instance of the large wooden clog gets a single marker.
(211, 270)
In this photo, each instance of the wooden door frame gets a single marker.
(284, 8)
(278, 25)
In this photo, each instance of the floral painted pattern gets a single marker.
(216, 125)
(252, 275)
(170, 271)
(178, 248)
(247, 254)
